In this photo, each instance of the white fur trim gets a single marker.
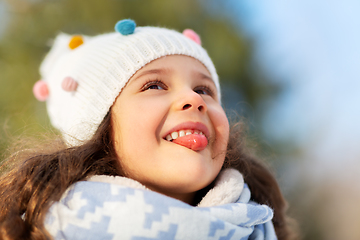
(228, 188)
(123, 181)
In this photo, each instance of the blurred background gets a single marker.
(289, 68)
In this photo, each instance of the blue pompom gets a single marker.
(125, 27)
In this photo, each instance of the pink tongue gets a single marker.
(194, 142)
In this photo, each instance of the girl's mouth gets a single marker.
(190, 138)
(176, 134)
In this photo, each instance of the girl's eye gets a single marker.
(157, 85)
(154, 86)
(204, 90)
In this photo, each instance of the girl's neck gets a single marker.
(184, 197)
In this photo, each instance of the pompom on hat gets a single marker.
(82, 76)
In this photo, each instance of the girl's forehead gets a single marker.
(168, 65)
(172, 72)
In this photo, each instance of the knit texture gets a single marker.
(102, 66)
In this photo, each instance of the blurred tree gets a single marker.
(34, 22)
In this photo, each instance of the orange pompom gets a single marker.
(76, 41)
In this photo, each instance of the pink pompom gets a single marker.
(69, 84)
(192, 35)
(40, 90)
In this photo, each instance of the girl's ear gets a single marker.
(192, 35)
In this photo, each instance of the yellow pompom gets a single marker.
(76, 41)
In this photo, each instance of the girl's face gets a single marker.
(170, 97)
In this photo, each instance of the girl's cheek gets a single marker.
(221, 126)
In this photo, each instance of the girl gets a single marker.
(148, 152)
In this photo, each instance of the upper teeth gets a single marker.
(181, 133)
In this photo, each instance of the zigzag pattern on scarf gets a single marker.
(95, 210)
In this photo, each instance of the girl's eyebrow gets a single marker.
(204, 76)
(153, 71)
(160, 71)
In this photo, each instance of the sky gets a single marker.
(311, 49)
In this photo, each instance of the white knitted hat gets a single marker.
(82, 76)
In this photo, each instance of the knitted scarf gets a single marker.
(107, 207)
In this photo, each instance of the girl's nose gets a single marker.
(192, 101)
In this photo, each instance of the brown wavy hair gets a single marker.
(38, 178)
